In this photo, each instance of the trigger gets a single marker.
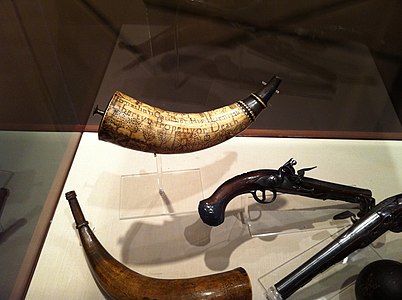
(262, 200)
(273, 196)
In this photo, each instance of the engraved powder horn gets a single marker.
(130, 123)
(116, 281)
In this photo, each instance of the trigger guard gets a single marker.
(263, 200)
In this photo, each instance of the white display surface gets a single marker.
(177, 246)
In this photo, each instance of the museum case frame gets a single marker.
(61, 59)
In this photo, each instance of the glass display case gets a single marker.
(340, 65)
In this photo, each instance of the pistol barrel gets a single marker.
(320, 189)
(359, 235)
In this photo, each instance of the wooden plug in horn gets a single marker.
(130, 123)
(119, 282)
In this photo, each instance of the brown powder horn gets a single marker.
(132, 124)
(116, 281)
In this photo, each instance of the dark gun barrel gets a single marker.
(284, 180)
(387, 215)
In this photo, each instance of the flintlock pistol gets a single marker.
(284, 180)
(387, 215)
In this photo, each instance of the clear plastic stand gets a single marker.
(5, 177)
(292, 213)
(160, 193)
(328, 284)
(3, 198)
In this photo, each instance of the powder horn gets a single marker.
(117, 281)
(132, 124)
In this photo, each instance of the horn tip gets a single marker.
(71, 195)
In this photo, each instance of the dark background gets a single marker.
(340, 60)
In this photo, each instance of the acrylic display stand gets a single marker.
(292, 213)
(3, 197)
(5, 177)
(160, 193)
(328, 284)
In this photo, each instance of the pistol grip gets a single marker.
(212, 213)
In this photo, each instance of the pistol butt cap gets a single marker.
(211, 214)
